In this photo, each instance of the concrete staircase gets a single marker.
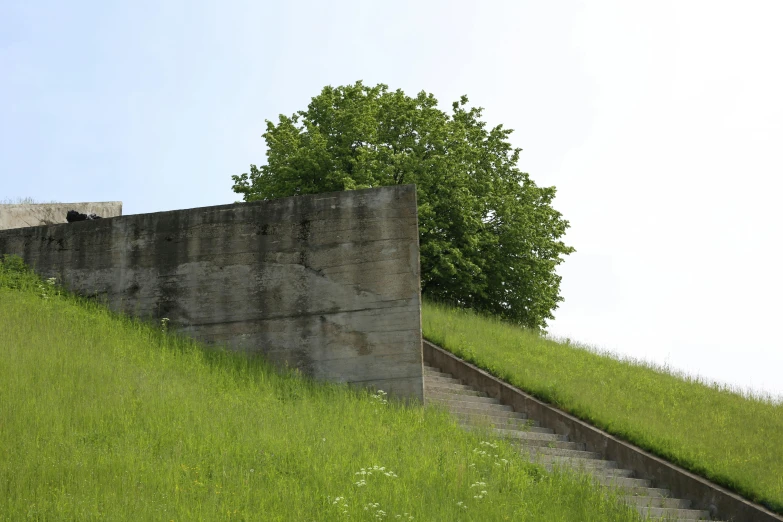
(543, 446)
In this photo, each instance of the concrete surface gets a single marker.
(326, 283)
(703, 494)
(37, 214)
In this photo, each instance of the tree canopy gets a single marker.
(489, 237)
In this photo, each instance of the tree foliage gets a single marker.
(489, 238)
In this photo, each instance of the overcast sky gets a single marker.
(660, 124)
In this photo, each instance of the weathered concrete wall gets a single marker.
(328, 283)
(37, 214)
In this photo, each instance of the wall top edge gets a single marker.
(323, 195)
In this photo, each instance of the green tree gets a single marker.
(488, 235)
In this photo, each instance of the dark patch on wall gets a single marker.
(362, 214)
(333, 333)
(81, 245)
(169, 249)
(302, 360)
(226, 216)
(166, 304)
(135, 253)
(304, 230)
(303, 235)
(134, 256)
(135, 231)
(133, 290)
(99, 296)
(263, 230)
(302, 309)
(59, 241)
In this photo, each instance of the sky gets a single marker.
(660, 124)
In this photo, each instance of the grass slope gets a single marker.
(727, 437)
(106, 418)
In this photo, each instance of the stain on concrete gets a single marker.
(264, 230)
(133, 290)
(333, 333)
(304, 230)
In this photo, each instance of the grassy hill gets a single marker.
(731, 438)
(106, 418)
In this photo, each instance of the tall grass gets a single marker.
(733, 439)
(106, 418)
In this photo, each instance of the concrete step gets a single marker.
(681, 514)
(500, 421)
(617, 473)
(638, 493)
(429, 371)
(438, 378)
(442, 381)
(536, 439)
(457, 389)
(676, 503)
(477, 407)
(473, 423)
(563, 445)
(521, 437)
(626, 487)
(428, 368)
(450, 396)
(634, 485)
(621, 479)
(572, 462)
(614, 472)
(544, 451)
(524, 434)
(544, 447)
(635, 493)
(602, 472)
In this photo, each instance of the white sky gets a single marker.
(659, 123)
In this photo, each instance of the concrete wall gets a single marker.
(36, 214)
(326, 283)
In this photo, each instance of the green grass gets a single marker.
(731, 438)
(107, 418)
